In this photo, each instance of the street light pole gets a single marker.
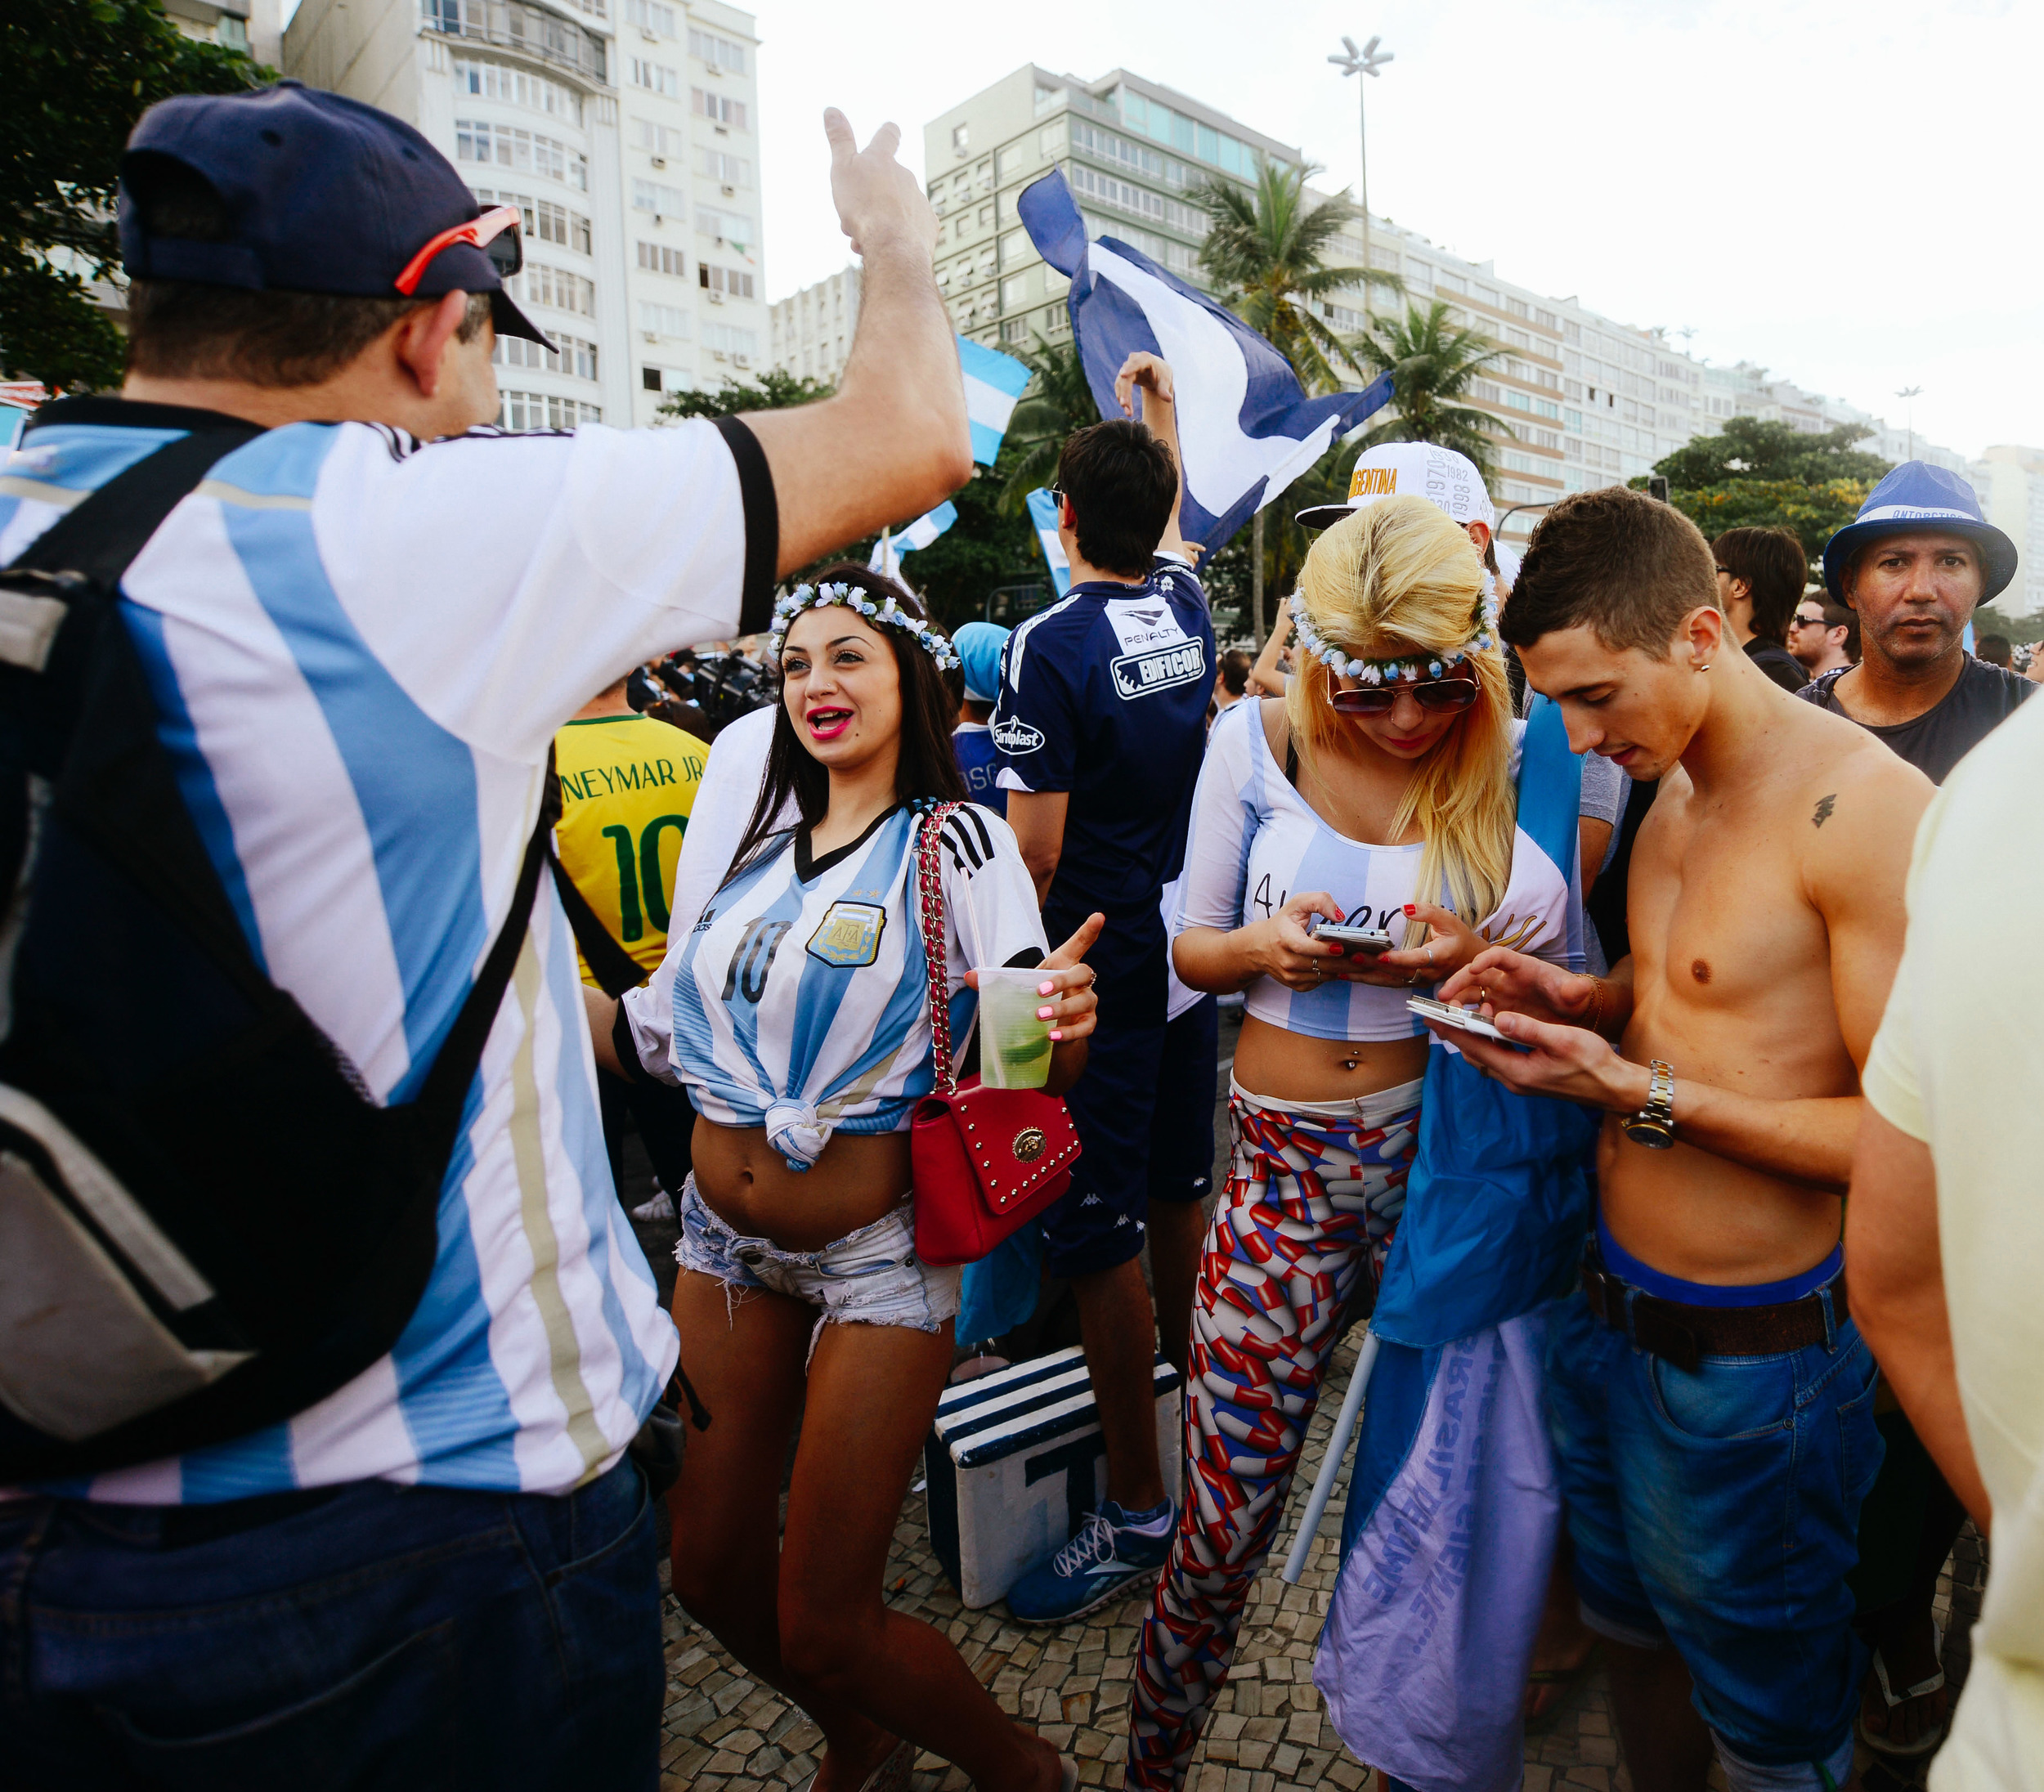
(1908, 395)
(1367, 60)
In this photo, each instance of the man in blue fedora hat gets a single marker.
(1916, 563)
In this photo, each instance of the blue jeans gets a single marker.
(373, 1636)
(1719, 1510)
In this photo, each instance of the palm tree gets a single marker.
(1055, 402)
(1432, 364)
(1266, 251)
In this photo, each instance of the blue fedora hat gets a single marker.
(1918, 497)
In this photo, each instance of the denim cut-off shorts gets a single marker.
(869, 1277)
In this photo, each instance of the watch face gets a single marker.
(1655, 1134)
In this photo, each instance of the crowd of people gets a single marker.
(1627, 1039)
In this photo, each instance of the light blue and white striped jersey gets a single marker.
(360, 649)
(799, 1003)
(1256, 843)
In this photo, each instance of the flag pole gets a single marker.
(1331, 1462)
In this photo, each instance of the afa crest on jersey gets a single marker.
(849, 934)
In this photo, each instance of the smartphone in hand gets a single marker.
(1358, 942)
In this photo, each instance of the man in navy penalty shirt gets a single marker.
(1101, 724)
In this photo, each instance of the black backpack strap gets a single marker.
(616, 970)
(99, 538)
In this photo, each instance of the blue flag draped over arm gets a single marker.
(1246, 428)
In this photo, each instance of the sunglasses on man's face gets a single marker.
(496, 233)
(1441, 696)
(1808, 622)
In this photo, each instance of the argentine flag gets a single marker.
(1043, 513)
(888, 550)
(993, 382)
(1246, 428)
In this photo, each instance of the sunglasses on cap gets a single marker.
(1441, 696)
(496, 233)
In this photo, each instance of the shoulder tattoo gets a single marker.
(1824, 807)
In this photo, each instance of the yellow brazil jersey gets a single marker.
(627, 785)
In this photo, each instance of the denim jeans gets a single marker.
(374, 1636)
(1719, 1510)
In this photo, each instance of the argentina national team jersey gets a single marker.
(1104, 694)
(800, 1001)
(359, 648)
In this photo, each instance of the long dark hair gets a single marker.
(926, 769)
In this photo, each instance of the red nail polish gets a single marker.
(1410, 910)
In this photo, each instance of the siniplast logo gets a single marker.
(1015, 737)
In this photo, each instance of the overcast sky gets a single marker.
(1845, 193)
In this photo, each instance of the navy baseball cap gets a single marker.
(1919, 498)
(324, 194)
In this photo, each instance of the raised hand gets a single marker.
(878, 200)
(1150, 372)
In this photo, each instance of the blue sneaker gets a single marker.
(1093, 1568)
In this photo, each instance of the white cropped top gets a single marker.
(1254, 841)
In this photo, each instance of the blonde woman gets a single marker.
(1378, 792)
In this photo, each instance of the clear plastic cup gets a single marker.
(1015, 1047)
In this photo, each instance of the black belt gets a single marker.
(1683, 1334)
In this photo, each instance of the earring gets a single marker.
(1705, 667)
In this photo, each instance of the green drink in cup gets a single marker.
(1015, 1047)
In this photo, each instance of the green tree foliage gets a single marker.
(1768, 476)
(1057, 401)
(74, 77)
(1433, 364)
(776, 389)
(987, 547)
(1748, 449)
(1266, 253)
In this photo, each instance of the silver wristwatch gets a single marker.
(1654, 1126)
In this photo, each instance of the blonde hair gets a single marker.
(1396, 579)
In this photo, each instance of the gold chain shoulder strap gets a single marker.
(930, 892)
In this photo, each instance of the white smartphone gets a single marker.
(1360, 939)
(1462, 1020)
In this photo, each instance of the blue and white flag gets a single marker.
(993, 382)
(1043, 513)
(1246, 428)
(888, 550)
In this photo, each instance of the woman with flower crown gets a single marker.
(795, 1013)
(1379, 793)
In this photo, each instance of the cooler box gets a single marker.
(1016, 1461)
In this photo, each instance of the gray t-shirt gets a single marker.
(1985, 697)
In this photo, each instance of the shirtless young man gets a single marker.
(1711, 1401)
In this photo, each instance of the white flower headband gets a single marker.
(938, 646)
(1407, 669)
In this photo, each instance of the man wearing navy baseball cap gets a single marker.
(358, 633)
(1916, 563)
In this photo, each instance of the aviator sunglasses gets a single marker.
(1441, 696)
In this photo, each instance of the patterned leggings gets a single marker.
(1313, 1194)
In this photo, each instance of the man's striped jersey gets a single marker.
(800, 1004)
(360, 649)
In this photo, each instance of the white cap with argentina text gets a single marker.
(1411, 469)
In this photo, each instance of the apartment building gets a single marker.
(2011, 482)
(626, 131)
(233, 25)
(1582, 400)
(810, 333)
(1744, 390)
(1131, 150)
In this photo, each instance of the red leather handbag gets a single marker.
(985, 1160)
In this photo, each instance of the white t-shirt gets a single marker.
(799, 1001)
(361, 649)
(1958, 1062)
(1255, 842)
(724, 802)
